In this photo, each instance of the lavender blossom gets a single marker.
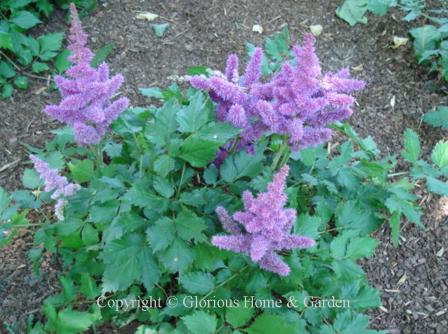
(55, 183)
(264, 227)
(86, 92)
(299, 101)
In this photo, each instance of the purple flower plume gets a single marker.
(86, 92)
(264, 227)
(55, 183)
(298, 101)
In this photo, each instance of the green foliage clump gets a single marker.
(21, 54)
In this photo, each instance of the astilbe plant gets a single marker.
(267, 226)
(86, 92)
(55, 183)
(298, 102)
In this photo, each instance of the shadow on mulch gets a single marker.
(412, 278)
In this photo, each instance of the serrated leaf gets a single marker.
(200, 322)
(161, 234)
(198, 151)
(353, 11)
(192, 117)
(163, 187)
(378, 7)
(178, 257)
(438, 117)
(361, 247)
(425, 38)
(82, 171)
(411, 146)
(198, 282)
(439, 154)
(437, 186)
(239, 316)
(21, 82)
(39, 67)
(189, 226)
(240, 165)
(69, 321)
(24, 19)
(50, 42)
(101, 54)
(164, 165)
(126, 261)
(88, 286)
(270, 323)
(31, 179)
(61, 61)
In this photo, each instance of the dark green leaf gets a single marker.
(198, 282)
(101, 54)
(24, 19)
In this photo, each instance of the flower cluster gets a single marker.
(299, 101)
(267, 225)
(87, 92)
(55, 183)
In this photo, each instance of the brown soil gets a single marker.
(203, 33)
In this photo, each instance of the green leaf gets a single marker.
(411, 146)
(200, 322)
(61, 61)
(378, 7)
(88, 286)
(352, 11)
(50, 42)
(361, 247)
(159, 29)
(211, 174)
(155, 92)
(439, 154)
(101, 54)
(239, 316)
(163, 187)
(437, 186)
(82, 171)
(438, 117)
(68, 288)
(164, 165)
(89, 235)
(45, 7)
(198, 282)
(21, 82)
(7, 91)
(4, 200)
(24, 19)
(39, 67)
(178, 257)
(70, 321)
(198, 151)
(195, 115)
(425, 38)
(270, 323)
(126, 261)
(161, 234)
(6, 70)
(189, 226)
(240, 165)
(395, 227)
(31, 179)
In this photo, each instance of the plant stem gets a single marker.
(279, 154)
(181, 180)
